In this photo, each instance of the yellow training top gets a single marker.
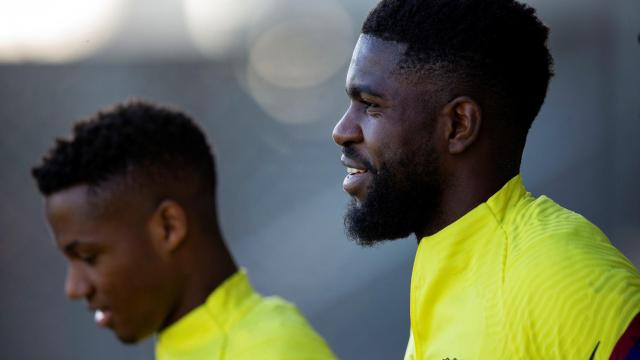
(520, 277)
(236, 323)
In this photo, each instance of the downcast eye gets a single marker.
(89, 259)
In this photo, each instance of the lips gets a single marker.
(357, 174)
(353, 171)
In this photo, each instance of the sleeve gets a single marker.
(276, 330)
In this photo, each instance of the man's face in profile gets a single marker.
(111, 260)
(388, 145)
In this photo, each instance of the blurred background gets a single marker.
(265, 78)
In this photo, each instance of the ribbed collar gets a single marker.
(227, 304)
(498, 205)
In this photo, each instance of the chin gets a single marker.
(130, 339)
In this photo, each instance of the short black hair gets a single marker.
(496, 48)
(136, 136)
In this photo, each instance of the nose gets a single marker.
(76, 285)
(347, 130)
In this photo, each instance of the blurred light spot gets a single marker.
(290, 61)
(55, 31)
(285, 105)
(307, 51)
(217, 27)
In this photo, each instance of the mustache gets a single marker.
(352, 153)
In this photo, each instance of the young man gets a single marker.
(131, 203)
(443, 93)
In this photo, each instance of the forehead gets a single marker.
(375, 60)
(73, 203)
(71, 214)
(374, 55)
(374, 52)
(119, 197)
(80, 213)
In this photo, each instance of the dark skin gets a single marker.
(391, 114)
(143, 263)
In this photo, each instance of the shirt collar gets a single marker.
(496, 208)
(227, 304)
(506, 198)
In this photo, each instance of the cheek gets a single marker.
(415, 135)
(138, 293)
(128, 269)
(380, 140)
(386, 145)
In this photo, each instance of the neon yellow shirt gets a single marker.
(520, 277)
(236, 323)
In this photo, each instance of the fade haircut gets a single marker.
(140, 140)
(492, 50)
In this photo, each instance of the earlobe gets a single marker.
(169, 226)
(464, 122)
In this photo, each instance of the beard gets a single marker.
(402, 198)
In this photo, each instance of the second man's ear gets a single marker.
(463, 121)
(168, 227)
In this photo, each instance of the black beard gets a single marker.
(400, 201)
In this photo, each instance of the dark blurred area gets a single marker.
(265, 79)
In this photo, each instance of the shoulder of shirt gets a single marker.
(284, 333)
(564, 278)
(541, 233)
(274, 309)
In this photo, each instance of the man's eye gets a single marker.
(367, 104)
(371, 109)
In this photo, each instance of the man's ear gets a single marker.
(168, 227)
(463, 120)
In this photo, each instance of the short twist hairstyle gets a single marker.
(134, 136)
(495, 49)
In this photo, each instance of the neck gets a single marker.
(207, 264)
(461, 196)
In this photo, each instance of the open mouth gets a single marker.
(354, 171)
(355, 183)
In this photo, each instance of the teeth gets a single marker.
(352, 171)
(98, 315)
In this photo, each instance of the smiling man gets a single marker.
(131, 203)
(443, 93)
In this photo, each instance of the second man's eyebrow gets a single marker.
(70, 247)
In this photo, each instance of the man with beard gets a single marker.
(443, 93)
(131, 204)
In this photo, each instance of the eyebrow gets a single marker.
(357, 91)
(71, 247)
